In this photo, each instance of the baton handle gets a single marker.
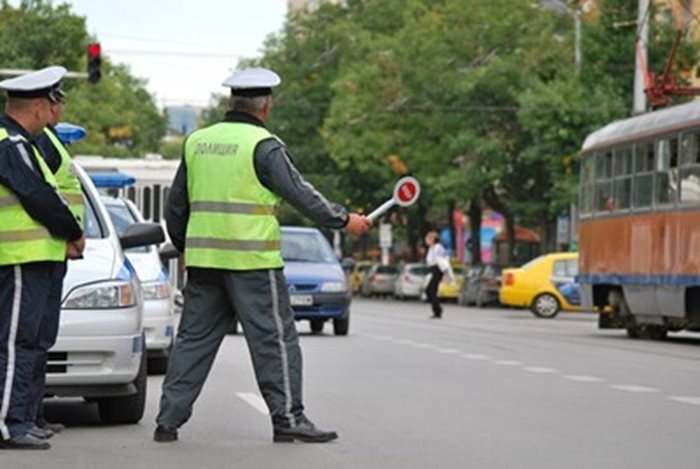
(381, 209)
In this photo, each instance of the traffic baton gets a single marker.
(406, 192)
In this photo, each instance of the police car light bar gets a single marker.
(112, 180)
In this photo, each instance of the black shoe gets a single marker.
(54, 427)
(304, 431)
(40, 433)
(24, 442)
(165, 434)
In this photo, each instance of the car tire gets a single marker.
(316, 325)
(341, 326)
(546, 306)
(126, 409)
(159, 365)
(646, 331)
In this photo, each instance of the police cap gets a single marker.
(44, 83)
(252, 82)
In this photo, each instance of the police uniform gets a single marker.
(35, 224)
(221, 214)
(59, 161)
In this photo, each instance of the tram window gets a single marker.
(146, 206)
(644, 157)
(623, 193)
(603, 168)
(666, 183)
(690, 185)
(603, 196)
(643, 190)
(690, 149)
(131, 194)
(623, 161)
(586, 198)
(667, 154)
(588, 170)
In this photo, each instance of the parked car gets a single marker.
(481, 285)
(379, 280)
(449, 288)
(409, 280)
(99, 354)
(357, 275)
(158, 304)
(546, 285)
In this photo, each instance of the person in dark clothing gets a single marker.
(221, 215)
(437, 262)
(37, 233)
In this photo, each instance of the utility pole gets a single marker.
(641, 67)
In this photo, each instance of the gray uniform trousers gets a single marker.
(260, 300)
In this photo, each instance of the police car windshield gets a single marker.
(306, 247)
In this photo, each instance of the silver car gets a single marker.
(158, 302)
(99, 352)
(379, 280)
(409, 281)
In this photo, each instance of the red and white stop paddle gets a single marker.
(406, 192)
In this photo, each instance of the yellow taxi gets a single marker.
(546, 285)
(357, 275)
(449, 289)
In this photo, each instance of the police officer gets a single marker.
(221, 214)
(60, 163)
(37, 233)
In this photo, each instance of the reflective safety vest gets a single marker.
(67, 183)
(232, 223)
(23, 239)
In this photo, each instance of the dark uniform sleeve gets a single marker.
(41, 201)
(178, 210)
(49, 152)
(276, 171)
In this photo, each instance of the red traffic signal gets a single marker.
(94, 62)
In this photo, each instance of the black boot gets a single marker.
(24, 442)
(304, 431)
(165, 434)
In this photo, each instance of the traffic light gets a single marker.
(94, 62)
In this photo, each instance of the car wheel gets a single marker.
(159, 365)
(126, 409)
(647, 331)
(546, 306)
(316, 325)
(342, 325)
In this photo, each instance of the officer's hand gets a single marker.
(74, 249)
(358, 224)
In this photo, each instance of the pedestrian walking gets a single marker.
(37, 233)
(221, 214)
(438, 265)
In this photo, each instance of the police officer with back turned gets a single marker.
(37, 233)
(221, 214)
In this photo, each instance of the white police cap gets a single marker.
(252, 82)
(44, 83)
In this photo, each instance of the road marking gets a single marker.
(255, 401)
(507, 362)
(424, 345)
(540, 369)
(686, 399)
(633, 388)
(584, 378)
(475, 356)
(447, 350)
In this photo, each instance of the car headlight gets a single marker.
(333, 287)
(156, 290)
(102, 295)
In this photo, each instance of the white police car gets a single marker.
(99, 354)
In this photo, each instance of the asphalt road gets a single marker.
(485, 388)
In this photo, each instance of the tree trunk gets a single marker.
(475, 229)
(510, 232)
(451, 224)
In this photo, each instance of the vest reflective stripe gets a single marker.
(232, 207)
(23, 239)
(232, 223)
(67, 183)
(233, 245)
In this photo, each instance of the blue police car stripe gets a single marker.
(10, 371)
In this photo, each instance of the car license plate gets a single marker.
(301, 300)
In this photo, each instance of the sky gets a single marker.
(184, 49)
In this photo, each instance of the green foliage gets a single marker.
(119, 114)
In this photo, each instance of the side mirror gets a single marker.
(142, 234)
(167, 252)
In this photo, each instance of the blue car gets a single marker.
(318, 289)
